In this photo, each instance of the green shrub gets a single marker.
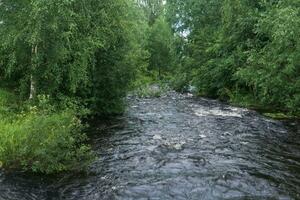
(4, 97)
(44, 142)
(8, 104)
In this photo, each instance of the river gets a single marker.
(178, 147)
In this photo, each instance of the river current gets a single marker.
(178, 147)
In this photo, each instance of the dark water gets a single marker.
(179, 147)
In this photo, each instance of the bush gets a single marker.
(44, 141)
(7, 98)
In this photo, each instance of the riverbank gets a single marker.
(268, 111)
(177, 146)
(155, 90)
(41, 138)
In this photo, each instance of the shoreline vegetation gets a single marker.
(157, 89)
(55, 140)
(62, 60)
(41, 138)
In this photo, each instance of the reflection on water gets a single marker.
(178, 147)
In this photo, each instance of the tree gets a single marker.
(42, 41)
(272, 68)
(153, 9)
(160, 46)
(71, 48)
(241, 50)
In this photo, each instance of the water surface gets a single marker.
(178, 147)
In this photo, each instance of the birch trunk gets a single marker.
(32, 78)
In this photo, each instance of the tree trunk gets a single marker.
(32, 78)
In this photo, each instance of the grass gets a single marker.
(41, 139)
(8, 103)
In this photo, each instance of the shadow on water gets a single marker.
(178, 147)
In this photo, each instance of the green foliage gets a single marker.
(44, 140)
(276, 63)
(245, 51)
(153, 9)
(81, 49)
(8, 104)
(71, 58)
(279, 116)
(84, 56)
(6, 98)
(117, 65)
(160, 47)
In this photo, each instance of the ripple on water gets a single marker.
(178, 147)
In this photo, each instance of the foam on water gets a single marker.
(202, 112)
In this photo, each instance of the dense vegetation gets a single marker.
(245, 51)
(84, 49)
(40, 138)
(61, 60)
(87, 52)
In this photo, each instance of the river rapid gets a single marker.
(178, 147)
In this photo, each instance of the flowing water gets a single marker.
(178, 147)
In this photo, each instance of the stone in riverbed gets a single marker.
(157, 137)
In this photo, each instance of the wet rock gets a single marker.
(178, 146)
(157, 137)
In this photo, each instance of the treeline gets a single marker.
(81, 49)
(245, 51)
(94, 51)
(64, 60)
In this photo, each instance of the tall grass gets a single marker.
(41, 140)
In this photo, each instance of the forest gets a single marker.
(64, 62)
